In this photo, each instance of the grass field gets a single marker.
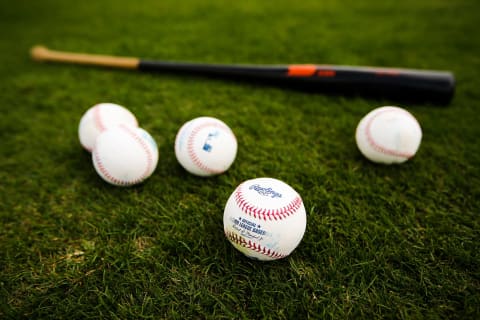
(381, 241)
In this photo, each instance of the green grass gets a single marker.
(381, 241)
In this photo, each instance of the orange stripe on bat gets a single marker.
(301, 70)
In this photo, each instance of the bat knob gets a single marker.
(38, 53)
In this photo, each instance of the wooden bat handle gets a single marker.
(41, 53)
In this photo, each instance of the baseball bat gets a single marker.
(405, 84)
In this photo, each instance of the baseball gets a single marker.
(205, 146)
(125, 155)
(388, 135)
(100, 117)
(265, 219)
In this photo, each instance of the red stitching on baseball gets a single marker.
(253, 246)
(146, 173)
(107, 175)
(145, 147)
(191, 150)
(97, 118)
(264, 213)
(377, 146)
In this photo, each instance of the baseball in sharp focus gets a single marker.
(388, 135)
(265, 219)
(205, 146)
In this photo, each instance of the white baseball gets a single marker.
(388, 135)
(205, 146)
(100, 117)
(125, 155)
(265, 219)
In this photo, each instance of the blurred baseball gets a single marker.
(265, 219)
(388, 135)
(125, 155)
(100, 117)
(205, 146)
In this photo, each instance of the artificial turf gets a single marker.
(381, 241)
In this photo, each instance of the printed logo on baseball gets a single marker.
(388, 135)
(125, 155)
(205, 146)
(100, 117)
(265, 219)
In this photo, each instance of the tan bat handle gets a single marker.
(41, 53)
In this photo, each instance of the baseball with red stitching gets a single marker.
(124, 155)
(100, 117)
(205, 146)
(265, 219)
(388, 135)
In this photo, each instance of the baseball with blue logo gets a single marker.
(205, 146)
(265, 219)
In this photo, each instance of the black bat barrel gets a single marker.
(402, 84)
